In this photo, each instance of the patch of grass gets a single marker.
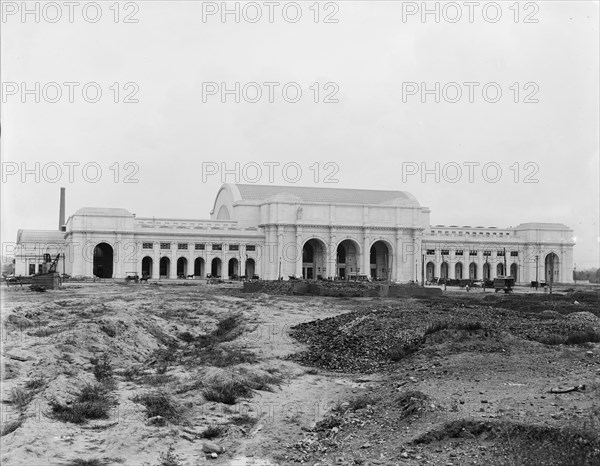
(227, 391)
(156, 380)
(102, 368)
(132, 373)
(263, 381)
(159, 404)
(243, 420)
(186, 337)
(21, 398)
(212, 432)
(8, 427)
(36, 384)
(221, 356)
(92, 402)
(89, 462)
(169, 458)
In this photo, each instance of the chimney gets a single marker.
(61, 214)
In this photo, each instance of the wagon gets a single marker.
(505, 284)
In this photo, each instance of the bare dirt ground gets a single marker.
(189, 374)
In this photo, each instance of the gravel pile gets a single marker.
(371, 338)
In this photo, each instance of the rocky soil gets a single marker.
(189, 374)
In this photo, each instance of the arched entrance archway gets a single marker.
(313, 259)
(199, 267)
(215, 267)
(429, 271)
(181, 267)
(444, 270)
(103, 260)
(486, 271)
(347, 258)
(147, 267)
(233, 268)
(381, 261)
(551, 268)
(500, 270)
(458, 270)
(473, 271)
(164, 267)
(514, 272)
(250, 268)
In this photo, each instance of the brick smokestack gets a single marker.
(61, 213)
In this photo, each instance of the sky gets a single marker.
(489, 118)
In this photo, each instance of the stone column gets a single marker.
(331, 256)
(173, 258)
(139, 255)
(299, 251)
(190, 259)
(242, 253)
(280, 262)
(397, 258)
(155, 261)
(480, 262)
(366, 265)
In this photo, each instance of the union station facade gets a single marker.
(274, 232)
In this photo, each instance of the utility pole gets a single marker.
(423, 270)
(446, 273)
(551, 272)
(505, 271)
(536, 271)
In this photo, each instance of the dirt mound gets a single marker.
(516, 443)
(585, 318)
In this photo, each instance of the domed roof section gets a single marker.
(251, 192)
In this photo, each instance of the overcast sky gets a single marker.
(374, 129)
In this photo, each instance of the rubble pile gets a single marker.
(374, 337)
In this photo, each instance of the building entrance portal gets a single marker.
(313, 259)
(103, 261)
(347, 260)
(381, 261)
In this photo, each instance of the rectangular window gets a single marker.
(487, 253)
(200, 246)
(445, 252)
(458, 253)
(31, 269)
(500, 253)
(472, 253)
(514, 253)
(182, 246)
(40, 270)
(147, 245)
(217, 247)
(250, 247)
(165, 245)
(431, 252)
(234, 247)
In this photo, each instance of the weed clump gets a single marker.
(211, 432)
(159, 404)
(92, 402)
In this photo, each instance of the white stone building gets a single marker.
(283, 231)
